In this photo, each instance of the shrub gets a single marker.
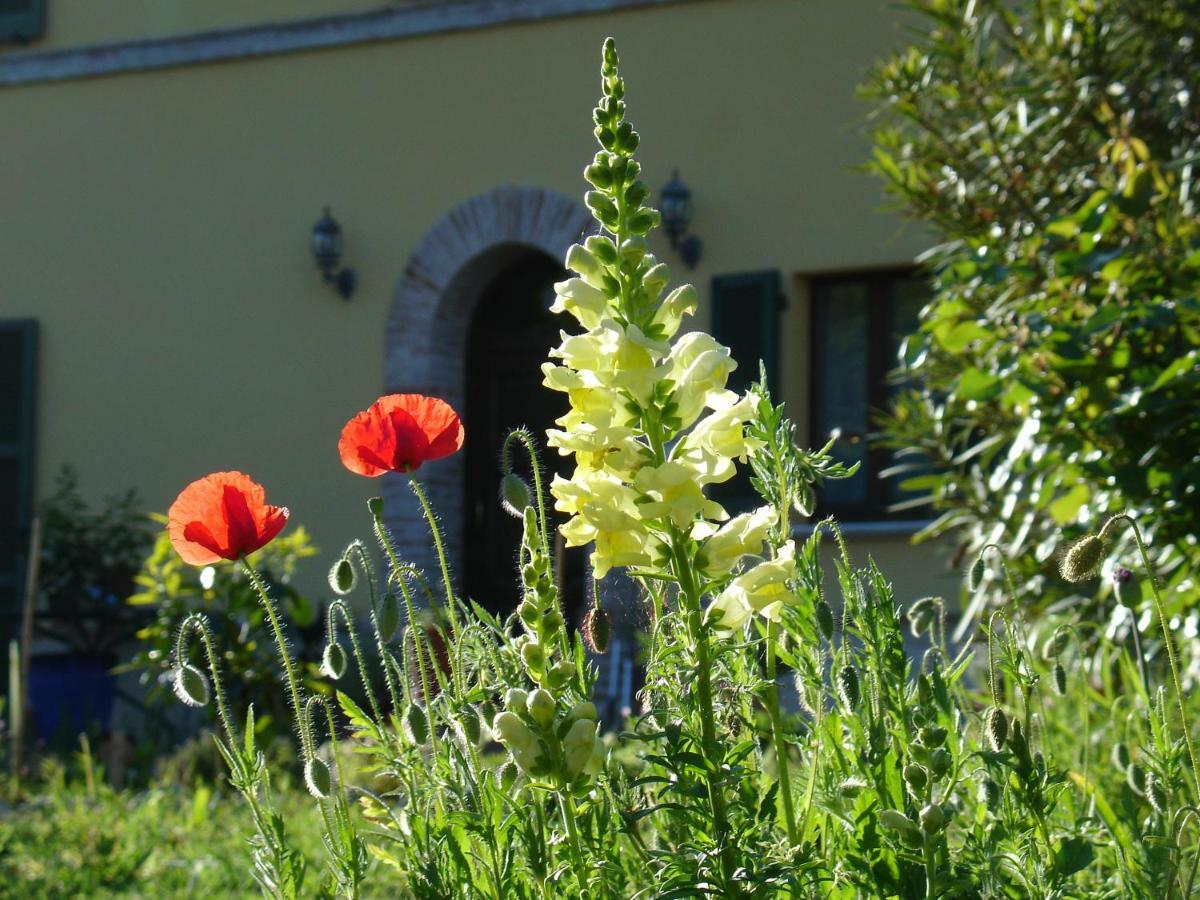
(1051, 147)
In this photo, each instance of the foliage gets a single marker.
(73, 835)
(171, 590)
(1051, 384)
(482, 773)
(88, 562)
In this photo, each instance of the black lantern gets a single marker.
(675, 205)
(327, 250)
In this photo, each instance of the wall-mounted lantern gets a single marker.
(327, 249)
(675, 205)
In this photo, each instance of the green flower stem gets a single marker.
(389, 677)
(285, 657)
(339, 606)
(691, 594)
(781, 754)
(198, 623)
(451, 604)
(570, 814)
(522, 436)
(385, 541)
(1160, 608)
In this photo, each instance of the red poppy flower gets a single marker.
(399, 432)
(222, 516)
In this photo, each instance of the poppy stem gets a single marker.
(306, 740)
(435, 531)
(198, 623)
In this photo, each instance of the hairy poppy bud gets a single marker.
(333, 661)
(1060, 679)
(851, 787)
(975, 575)
(468, 723)
(317, 778)
(1125, 587)
(506, 775)
(541, 705)
(1080, 559)
(190, 685)
(1120, 755)
(1135, 777)
(996, 726)
(596, 630)
(1056, 643)
(514, 495)
(388, 619)
(847, 686)
(989, 793)
(824, 616)
(375, 505)
(341, 577)
(1156, 794)
(416, 724)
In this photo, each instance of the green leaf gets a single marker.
(1064, 509)
(975, 384)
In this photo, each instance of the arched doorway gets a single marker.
(511, 332)
(461, 260)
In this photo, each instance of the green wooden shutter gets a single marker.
(18, 370)
(22, 20)
(745, 318)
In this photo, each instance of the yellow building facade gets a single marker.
(166, 162)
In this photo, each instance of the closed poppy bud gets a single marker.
(222, 516)
(190, 685)
(468, 723)
(989, 793)
(1135, 777)
(317, 778)
(1120, 755)
(541, 706)
(341, 577)
(1060, 679)
(1080, 559)
(416, 724)
(514, 494)
(1156, 794)
(506, 775)
(824, 616)
(375, 507)
(996, 726)
(596, 629)
(388, 619)
(975, 575)
(333, 661)
(847, 686)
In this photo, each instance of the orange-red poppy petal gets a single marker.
(222, 516)
(398, 433)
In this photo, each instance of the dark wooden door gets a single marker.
(511, 334)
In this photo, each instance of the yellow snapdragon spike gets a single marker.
(699, 366)
(589, 305)
(675, 494)
(763, 589)
(741, 536)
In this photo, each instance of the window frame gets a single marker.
(881, 360)
(23, 449)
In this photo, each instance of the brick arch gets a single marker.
(428, 323)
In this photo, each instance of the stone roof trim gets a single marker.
(250, 42)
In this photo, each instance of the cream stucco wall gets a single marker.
(157, 224)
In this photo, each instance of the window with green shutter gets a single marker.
(859, 321)
(22, 21)
(746, 308)
(18, 369)
(745, 318)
